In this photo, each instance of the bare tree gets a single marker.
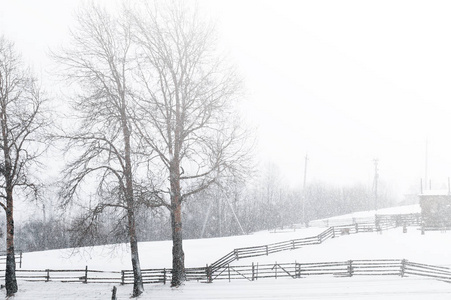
(186, 109)
(22, 121)
(100, 62)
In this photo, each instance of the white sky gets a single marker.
(344, 81)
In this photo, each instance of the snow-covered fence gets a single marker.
(436, 272)
(18, 255)
(246, 252)
(262, 250)
(384, 221)
(148, 275)
(164, 275)
(381, 267)
(74, 275)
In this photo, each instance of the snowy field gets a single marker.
(431, 248)
(387, 288)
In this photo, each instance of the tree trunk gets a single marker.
(10, 272)
(178, 256)
(138, 287)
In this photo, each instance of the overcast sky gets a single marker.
(344, 81)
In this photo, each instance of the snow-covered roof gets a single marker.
(435, 193)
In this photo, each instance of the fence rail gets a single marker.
(380, 267)
(73, 275)
(350, 268)
(18, 256)
(262, 250)
(398, 219)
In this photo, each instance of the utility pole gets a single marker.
(376, 177)
(303, 191)
(426, 168)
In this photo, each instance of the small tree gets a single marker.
(22, 121)
(99, 62)
(186, 112)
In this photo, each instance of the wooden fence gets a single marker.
(384, 220)
(18, 255)
(73, 275)
(350, 268)
(246, 252)
(381, 267)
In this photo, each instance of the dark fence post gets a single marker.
(275, 266)
(298, 270)
(267, 252)
(253, 271)
(403, 267)
(333, 232)
(86, 275)
(20, 261)
(47, 278)
(350, 268)
(292, 242)
(209, 276)
(122, 277)
(228, 269)
(164, 276)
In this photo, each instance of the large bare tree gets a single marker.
(186, 109)
(99, 63)
(22, 122)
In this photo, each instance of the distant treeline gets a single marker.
(230, 209)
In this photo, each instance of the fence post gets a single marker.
(122, 277)
(236, 254)
(164, 276)
(209, 277)
(228, 269)
(256, 273)
(86, 275)
(47, 278)
(267, 252)
(20, 261)
(253, 271)
(350, 268)
(356, 227)
(275, 266)
(333, 232)
(292, 242)
(403, 267)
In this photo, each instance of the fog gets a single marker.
(344, 82)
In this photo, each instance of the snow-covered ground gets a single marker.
(431, 248)
(356, 288)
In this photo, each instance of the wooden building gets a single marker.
(436, 209)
